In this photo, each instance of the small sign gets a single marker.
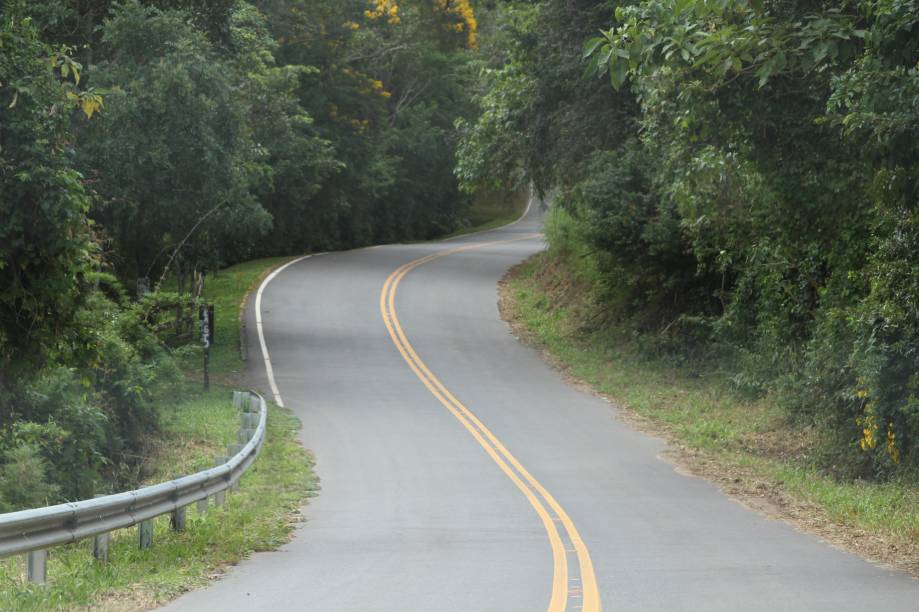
(206, 316)
(205, 329)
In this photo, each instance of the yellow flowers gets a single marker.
(869, 424)
(467, 23)
(891, 447)
(384, 8)
(455, 9)
(377, 86)
(367, 84)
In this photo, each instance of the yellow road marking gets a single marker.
(495, 449)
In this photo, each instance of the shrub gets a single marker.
(23, 481)
(89, 412)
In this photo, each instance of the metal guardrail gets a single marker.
(34, 531)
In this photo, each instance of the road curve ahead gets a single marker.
(460, 473)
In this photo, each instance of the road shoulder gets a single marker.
(744, 447)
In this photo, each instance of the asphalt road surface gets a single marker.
(460, 472)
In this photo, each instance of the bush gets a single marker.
(23, 481)
(755, 196)
(641, 256)
(89, 413)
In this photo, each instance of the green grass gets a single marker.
(196, 430)
(752, 439)
(492, 209)
(226, 292)
(259, 516)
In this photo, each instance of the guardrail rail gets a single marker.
(34, 531)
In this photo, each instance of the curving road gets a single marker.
(459, 472)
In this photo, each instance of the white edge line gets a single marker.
(269, 370)
(261, 333)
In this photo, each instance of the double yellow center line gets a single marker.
(576, 586)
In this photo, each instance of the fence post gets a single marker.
(100, 543)
(37, 566)
(145, 534)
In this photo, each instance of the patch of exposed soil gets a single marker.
(746, 486)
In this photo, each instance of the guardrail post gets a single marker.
(253, 403)
(37, 566)
(100, 547)
(237, 399)
(145, 534)
(100, 543)
(220, 497)
(201, 506)
(177, 519)
(177, 516)
(232, 449)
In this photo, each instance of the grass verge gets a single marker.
(491, 209)
(259, 516)
(227, 291)
(748, 447)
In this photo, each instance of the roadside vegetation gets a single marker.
(259, 516)
(145, 145)
(747, 445)
(735, 188)
(493, 208)
(194, 427)
(227, 292)
(159, 156)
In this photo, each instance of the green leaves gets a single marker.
(714, 40)
(618, 73)
(784, 135)
(591, 45)
(606, 58)
(44, 238)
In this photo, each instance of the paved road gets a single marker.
(459, 472)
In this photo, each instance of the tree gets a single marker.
(45, 240)
(385, 73)
(173, 156)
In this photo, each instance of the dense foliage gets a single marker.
(735, 178)
(738, 178)
(160, 139)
